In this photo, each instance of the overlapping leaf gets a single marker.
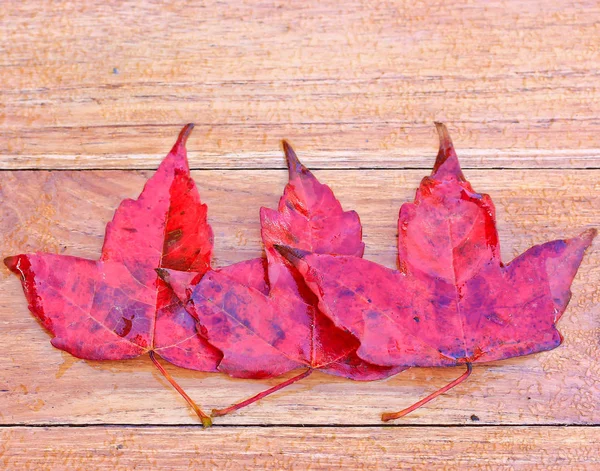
(453, 301)
(266, 322)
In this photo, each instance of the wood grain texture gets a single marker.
(176, 448)
(66, 212)
(101, 84)
(355, 86)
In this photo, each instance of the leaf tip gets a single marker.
(588, 236)
(443, 134)
(293, 163)
(163, 274)
(178, 153)
(290, 253)
(184, 134)
(13, 263)
(446, 162)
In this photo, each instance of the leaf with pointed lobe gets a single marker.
(452, 301)
(260, 314)
(117, 307)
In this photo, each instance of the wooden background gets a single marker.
(92, 95)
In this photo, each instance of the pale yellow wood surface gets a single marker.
(435, 448)
(355, 86)
(98, 84)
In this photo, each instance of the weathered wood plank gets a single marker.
(434, 448)
(400, 157)
(66, 212)
(358, 85)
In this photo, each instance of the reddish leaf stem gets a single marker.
(206, 420)
(247, 402)
(387, 416)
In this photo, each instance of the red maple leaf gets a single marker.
(452, 301)
(261, 316)
(117, 308)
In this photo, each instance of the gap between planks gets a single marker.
(299, 426)
(277, 169)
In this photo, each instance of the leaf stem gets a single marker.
(247, 402)
(206, 421)
(387, 416)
